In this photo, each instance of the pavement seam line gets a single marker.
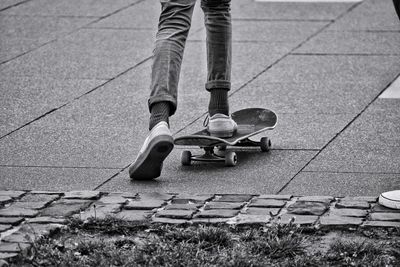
(17, 4)
(68, 33)
(112, 177)
(76, 98)
(59, 167)
(337, 134)
(274, 63)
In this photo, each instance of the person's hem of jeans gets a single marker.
(218, 85)
(163, 98)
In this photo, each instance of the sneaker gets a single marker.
(220, 125)
(157, 146)
(390, 199)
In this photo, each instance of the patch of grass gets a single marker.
(113, 242)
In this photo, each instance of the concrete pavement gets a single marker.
(74, 77)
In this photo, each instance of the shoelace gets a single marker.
(206, 120)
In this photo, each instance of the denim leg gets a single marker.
(173, 28)
(217, 19)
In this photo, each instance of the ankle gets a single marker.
(218, 102)
(159, 112)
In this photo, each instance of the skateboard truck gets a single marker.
(230, 157)
(250, 121)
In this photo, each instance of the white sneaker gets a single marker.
(221, 125)
(157, 146)
(390, 199)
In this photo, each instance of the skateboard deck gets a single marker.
(250, 121)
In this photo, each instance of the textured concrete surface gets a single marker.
(31, 97)
(27, 33)
(343, 184)
(255, 172)
(320, 66)
(49, 178)
(83, 8)
(340, 42)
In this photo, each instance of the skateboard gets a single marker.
(250, 121)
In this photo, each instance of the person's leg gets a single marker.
(173, 28)
(172, 32)
(217, 19)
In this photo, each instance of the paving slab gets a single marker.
(369, 16)
(70, 146)
(252, 10)
(44, 178)
(256, 172)
(87, 53)
(293, 131)
(380, 70)
(81, 8)
(31, 97)
(342, 184)
(145, 15)
(5, 4)
(311, 97)
(370, 144)
(286, 33)
(27, 33)
(345, 42)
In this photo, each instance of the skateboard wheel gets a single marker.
(186, 158)
(265, 144)
(221, 148)
(230, 159)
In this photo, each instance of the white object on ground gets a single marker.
(390, 199)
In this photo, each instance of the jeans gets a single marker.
(173, 28)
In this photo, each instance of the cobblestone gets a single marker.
(87, 195)
(233, 198)
(277, 197)
(220, 213)
(223, 205)
(186, 199)
(352, 205)
(113, 199)
(17, 212)
(47, 220)
(5, 200)
(47, 198)
(381, 224)
(144, 204)
(5, 256)
(12, 194)
(175, 214)
(183, 206)
(30, 232)
(322, 199)
(385, 216)
(297, 219)
(154, 196)
(252, 219)
(11, 220)
(267, 203)
(99, 211)
(261, 211)
(349, 212)
(13, 247)
(168, 220)
(333, 220)
(370, 199)
(134, 215)
(5, 227)
(30, 205)
(380, 208)
(65, 207)
(209, 220)
(308, 208)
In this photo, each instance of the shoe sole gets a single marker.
(150, 166)
(221, 134)
(389, 203)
